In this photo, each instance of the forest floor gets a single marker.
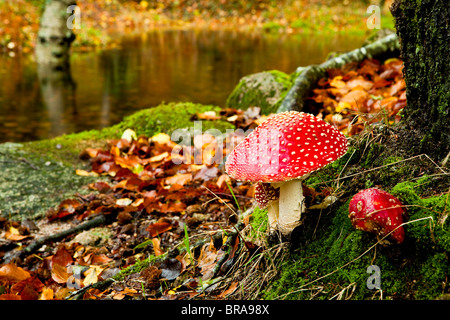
(152, 223)
(136, 220)
(102, 22)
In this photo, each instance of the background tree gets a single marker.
(423, 29)
(53, 61)
(54, 36)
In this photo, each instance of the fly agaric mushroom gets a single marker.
(267, 196)
(377, 211)
(282, 151)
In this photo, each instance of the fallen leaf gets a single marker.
(206, 173)
(397, 87)
(208, 115)
(59, 273)
(355, 97)
(180, 179)
(85, 173)
(100, 186)
(172, 206)
(206, 261)
(91, 276)
(119, 296)
(100, 259)
(360, 82)
(122, 294)
(13, 234)
(337, 82)
(223, 180)
(156, 247)
(159, 157)
(62, 257)
(233, 286)
(28, 289)
(123, 202)
(170, 268)
(129, 135)
(46, 294)
(89, 153)
(343, 106)
(157, 228)
(160, 138)
(8, 296)
(66, 208)
(13, 272)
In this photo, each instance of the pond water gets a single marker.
(147, 69)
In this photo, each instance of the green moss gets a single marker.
(163, 118)
(264, 89)
(259, 221)
(434, 230)
(38, 175)
(373, 154)
(333, 255)
(139, 266)
(166, 118)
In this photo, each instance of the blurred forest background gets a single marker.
(101, 20)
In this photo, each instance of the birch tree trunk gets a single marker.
(54, 36)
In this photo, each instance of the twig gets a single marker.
(101, 285)
(36, 244)
(28, 163)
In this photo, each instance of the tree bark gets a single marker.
(424, 33)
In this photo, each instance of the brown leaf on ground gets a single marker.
(157, 228)
(12, 272)
(28, 289)
(62, 257)
(59, 274)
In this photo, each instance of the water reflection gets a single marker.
(198, 66)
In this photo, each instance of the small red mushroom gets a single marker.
(267, 196)
(377, 211)
(282, 151)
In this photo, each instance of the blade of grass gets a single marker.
(232, 193)
(186, 242)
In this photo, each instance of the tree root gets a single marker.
(308, 76)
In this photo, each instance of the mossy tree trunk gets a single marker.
(424, 32)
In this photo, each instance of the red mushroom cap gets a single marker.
(377, 211)
(286, 146)
(265, 194)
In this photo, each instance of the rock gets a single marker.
(264, 89)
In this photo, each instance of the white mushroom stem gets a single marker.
(291, 205)
(272, 214)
